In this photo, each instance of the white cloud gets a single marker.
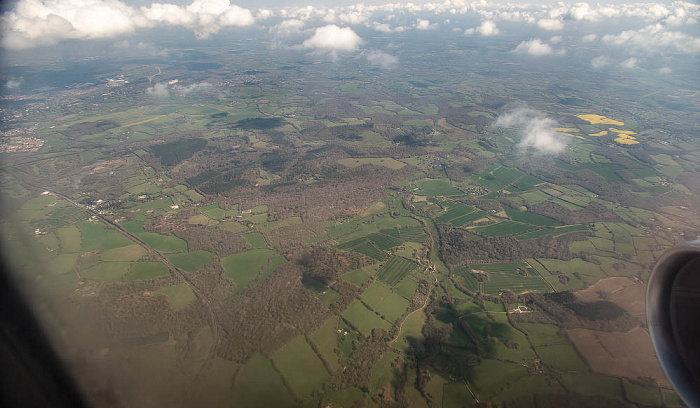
(333, 38)
(665, 70)
(382, 59)
(159, 90)
(291, 30)
(537, 48)
(381, 27)
(353, 18)
(486, 29)
(556, 39)
(46, 22)
(204, 17)
(655, 38)
(629, 63)
(600, 62)
(550, 24)
(424, 24)
(14, 83)
(536, 128)
(202, 87)
(589, 38)
(170, 89)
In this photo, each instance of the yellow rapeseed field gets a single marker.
(598, 119)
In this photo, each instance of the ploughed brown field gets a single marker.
(629, 354)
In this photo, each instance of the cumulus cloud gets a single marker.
(550, 24)
(600, 62)
(424, 25)
(333, 38)
(655, 38)
(536, 128)
(279, 33)
(204, 17)
(486, 29)
(665, 70)
(34, 22)
(537, 48)
(381, 27)
(630, 63)
(382, 59)
(45, 22)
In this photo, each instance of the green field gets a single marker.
(373, 245)
(576, 269)
(496, 177)
(108, 272)
(99, 238)
(382, 299)
(377, 161)
(502, 228)
(300, 366)
(530, 217)
(69, 238)
(456, 395)
(593, 384)
(463, 274)
(326, 338)
(410, 330)
(179, 296)
(127, 253)
(215, 212)
(243, 267)
(544, 334)
(259, 384)
(552, 231)
(561, 357)
(490, 376)
(437, 187)
(395, 269)
(159, 242)
(505, 275)
(412, 234)
(406, 288)
(531, 385)
(455, 211)
(256, 240)
(146, 270)
(63, 263)
(359, 276)
(639, 394)
(364, 319)
(190, 261)
(382, 371)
